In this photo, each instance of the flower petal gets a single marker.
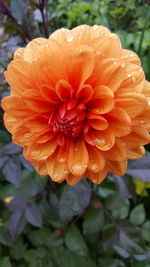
(48, 69)
(119, 121)
(18, 75)
(130, 57)
(80, 65)
(97, 122)
(134, 77)
(42, 151)
(134, 103)
(64, 90)
(60, 35)
(96, 160)
(99, 31)
(35, 102)
(72, 179)
(97, 178)
(85, 93)
(63, 152)
(19, 53)
(78, 157)
(109, 72)
(16, 107)
(102, 101)
(49, 94)
(117, 153)
(37, 124)
(56, 171)
(80, 35)
(136, 152)
(117, 167)
(40, 167)
(138, 136)
(33, 49)
(104, 140)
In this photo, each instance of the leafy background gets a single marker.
(43, 224)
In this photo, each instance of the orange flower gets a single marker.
(78, 104)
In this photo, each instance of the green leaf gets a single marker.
(12, 171)
(74, 200)
(54, 241)
(146, 231)
(5, 238)
(130, 239)
(65, 258)
(18, 247)
(39, 237)
(16, 224)
(110, 236)
(34, 215)
(5, 262)
(121, 251)
(75, 242)
(93, 221)
(137, 215)
(123, 211)
(34, 254)
(111, 262)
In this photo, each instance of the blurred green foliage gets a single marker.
(43, 224)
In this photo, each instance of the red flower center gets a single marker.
(70, 118)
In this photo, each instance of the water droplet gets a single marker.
(115, 62)
(123, 65)
(98, 52)
(80, 50)
(95, 27)
(63, 29)
(140, 69)
(101, 141)
(95, 181)
(34, 153)
(76, 168)
(26, 135)
(44, 157)
(93, 167)
(82, 27)
(114, 36)
(131, 55)
(69, 38)
(142, 122)
(129, 75)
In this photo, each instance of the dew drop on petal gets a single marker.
(69, 38)
(63, 29)
(33, 153)
(26, 135)
(94, 167)
(76, 168)
(95, 27)
(44, 157)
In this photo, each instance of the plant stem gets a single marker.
(43, 5)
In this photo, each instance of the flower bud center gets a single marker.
(69, 119)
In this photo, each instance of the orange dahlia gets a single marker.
(78, 104)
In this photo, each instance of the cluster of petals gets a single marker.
(79, 104)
